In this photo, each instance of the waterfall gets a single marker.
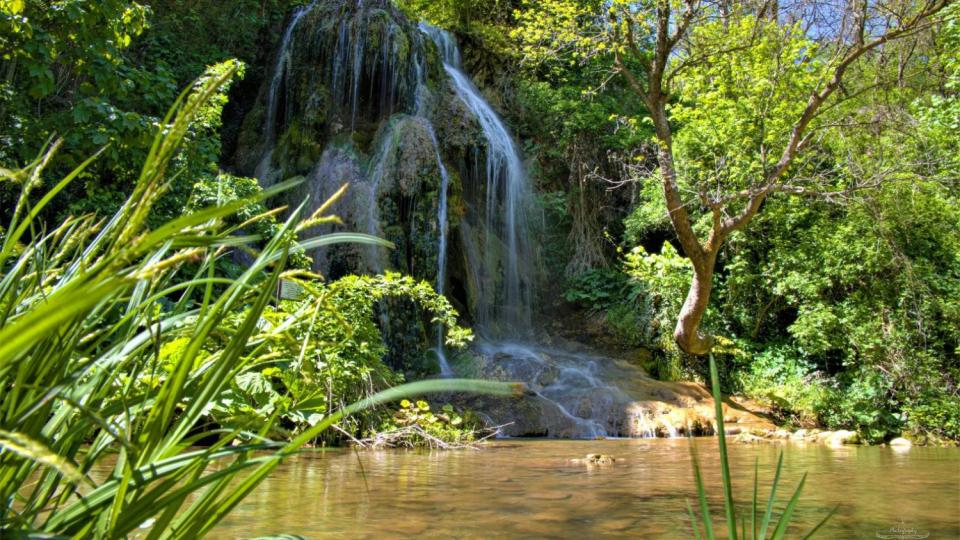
(442, 218)
(280, 71)
(507, 193)
(348, 66)
(366, 64)
(379, 162)
(443, 226)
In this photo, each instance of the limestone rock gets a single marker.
(842, 437)
(596, 459)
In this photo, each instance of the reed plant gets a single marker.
(760, 518)
(87, 448)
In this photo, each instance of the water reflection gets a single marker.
(529, 488)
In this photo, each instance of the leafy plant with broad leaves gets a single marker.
(446, 425)
(314, 363)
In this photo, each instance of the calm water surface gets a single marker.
(530, 489)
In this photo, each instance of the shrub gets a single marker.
(935, 417)
(780, 376)
(415, 424)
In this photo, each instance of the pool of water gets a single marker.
(531, 488)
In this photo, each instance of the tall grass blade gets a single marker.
(693, 522)
(768, 513)
(753, 505)
(823, 522)
(28, 448)
(782, 524)
(702, 499)
(728, 505)
(781, 529)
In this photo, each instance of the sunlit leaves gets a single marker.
(83, 36)
(735, 111)
(566, 32)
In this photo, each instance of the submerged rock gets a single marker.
(749, 438)
(596, 459)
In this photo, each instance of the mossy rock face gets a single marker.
(339, 165)
(351, 74)
(456, 126)
(361, 97)
(406, 177)
(405, 333)
(249, 141)
(350, 65)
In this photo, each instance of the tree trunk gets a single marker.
(687, 333)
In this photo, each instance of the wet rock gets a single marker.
(596, 459)
(842, 437)
(900, 442)
(583, 395)
(548, 376)
(749, 438)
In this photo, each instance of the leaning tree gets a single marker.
(751, 89)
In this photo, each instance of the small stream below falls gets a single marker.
(531, 489)
(575, 392)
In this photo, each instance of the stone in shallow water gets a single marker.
(596, 459)
(901, 442)
(842, 437)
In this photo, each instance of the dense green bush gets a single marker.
(842, 315)
(598, 289)
(102, 74)
(781, 376)
(327, 351)
(936, 415)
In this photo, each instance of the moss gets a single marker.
(249, 140)
(297, 149)
(468, 365)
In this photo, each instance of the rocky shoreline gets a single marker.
(836, 438)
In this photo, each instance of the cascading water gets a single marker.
(507, 193)
(505, 311)
(348, 67)
(379, 166)
(561, 383)
(280, 72)
(442, 226)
